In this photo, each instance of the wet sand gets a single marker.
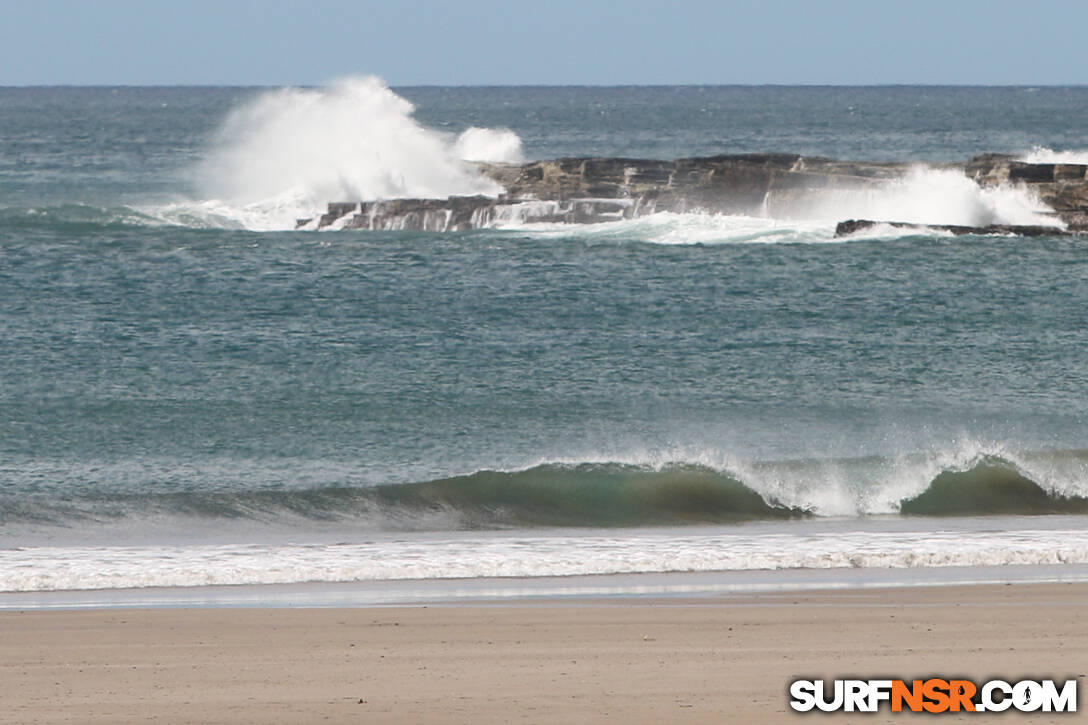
(707, 660)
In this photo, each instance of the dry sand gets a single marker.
(713, 660)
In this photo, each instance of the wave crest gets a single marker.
(592, 495)
(610, 495)
(989, 487)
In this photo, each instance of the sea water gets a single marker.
(193, 392)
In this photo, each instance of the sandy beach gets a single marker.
(707, 660)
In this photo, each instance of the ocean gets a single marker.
(195, 394)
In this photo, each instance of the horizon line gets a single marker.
(548, 85)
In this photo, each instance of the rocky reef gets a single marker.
(592, 190)
(1062, 187)
(853, 226)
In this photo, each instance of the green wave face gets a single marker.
(576, 495)
(590, 495)
(989, 488)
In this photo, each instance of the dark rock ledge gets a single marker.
(592, 190)
(853, 226)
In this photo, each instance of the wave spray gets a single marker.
(288, 152)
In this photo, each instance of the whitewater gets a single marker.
(197, 394)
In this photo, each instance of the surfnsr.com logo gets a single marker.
(934, 695)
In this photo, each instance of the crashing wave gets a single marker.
(621, 494)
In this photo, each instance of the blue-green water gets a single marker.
(181, 381)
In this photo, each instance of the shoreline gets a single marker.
(725, 585)
(676, 659)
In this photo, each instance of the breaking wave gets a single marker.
(990, 488)
(923, 196)
(287, 153)
(623, 494)
(563, 519)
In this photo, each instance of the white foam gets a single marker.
(275, 213)
(679, 229)
(668, 228)
(699, 549)
(922, 196)
(287, 153)
(487, 144)
(1044, 155)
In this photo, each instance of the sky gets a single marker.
(547, 42)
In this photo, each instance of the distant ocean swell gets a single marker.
(583, 495)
